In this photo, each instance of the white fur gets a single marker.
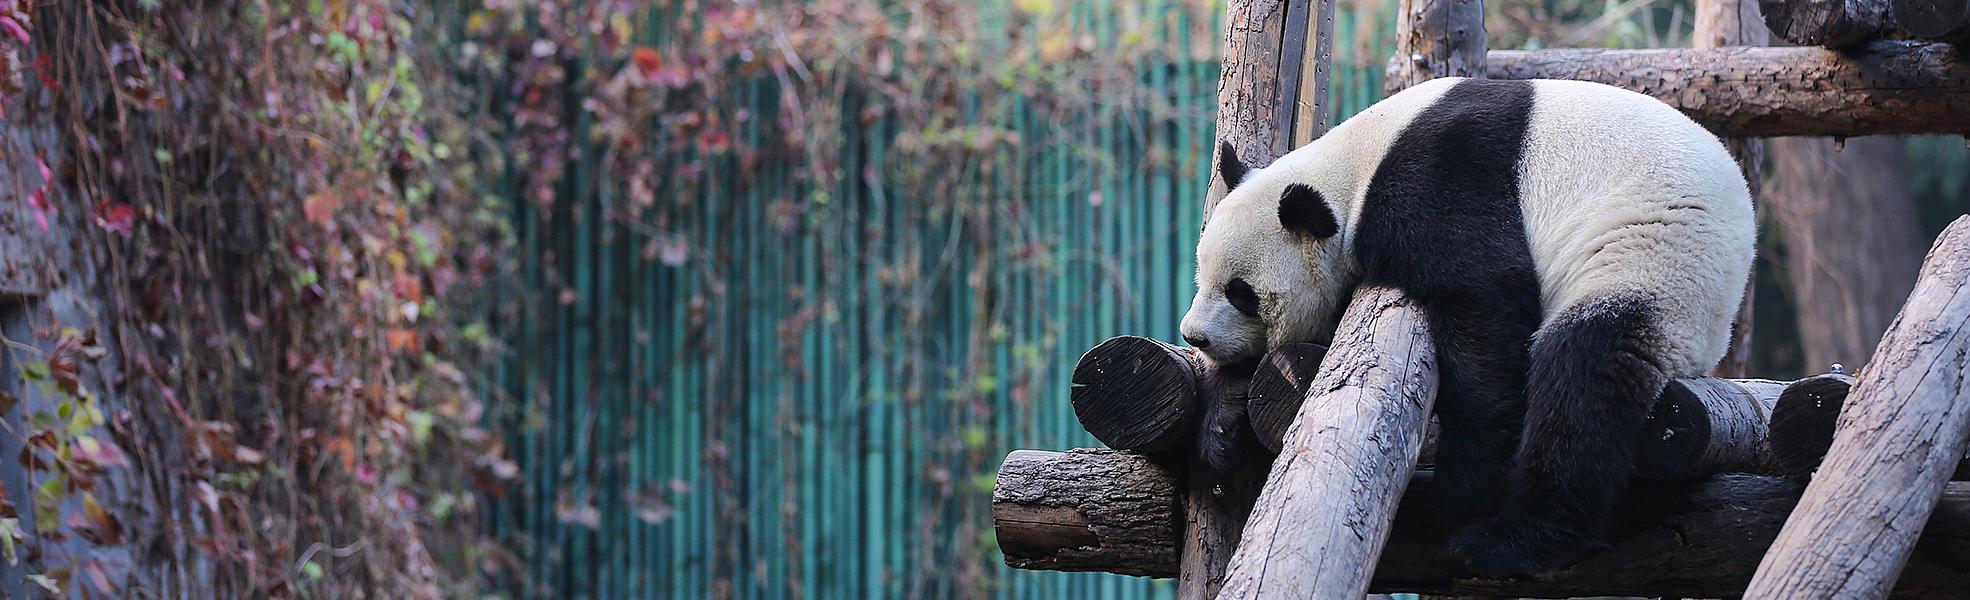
(1619, 191)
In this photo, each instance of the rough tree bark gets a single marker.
(1264, 64)
(1883, 88)
(1693, 540)
(1436, 38)
(1902, 433)
(1849, 241)
(1722, 24)
(1324, 513)
(1830, 23)
(1048, 520)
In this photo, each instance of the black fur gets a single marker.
(1302, 211)
(1229, 167)
(1224, 437)
(1441, 222)
(1594, 373)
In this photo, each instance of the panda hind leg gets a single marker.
(1595, 369)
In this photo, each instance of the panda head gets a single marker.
(1266, 272)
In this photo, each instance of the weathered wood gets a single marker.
(1135, 393)
(1720, 24)
(1699, 539)
(1802, 422)
(1086, 510)
(1882, 88)
(1703, 426)
(1324, 513)
(1278, 389)
(1902, 433)
(1830, 23)
(1696, 427)
(1436, 38)
(1945, 20)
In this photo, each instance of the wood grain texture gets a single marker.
(1944, 20)
(1324, 513)
(1704, 426)
(1699, 539)
(1830, 23)
(1086, 510)
(1136, 393)
(1279, 388)
(1436, 38)
(1882, 88)
(1803, 419)
(1905, 427)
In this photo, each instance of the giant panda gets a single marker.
(1573, 247)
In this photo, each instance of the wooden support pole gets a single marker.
(1942, 20)
(1802, 422)
(1722, 24)
(1897, 441)
(1703, 426)
(1699, 539)
(1436, 38)
(1883, 88)
(1830, 23)
(1324, 514)
(1268, 100)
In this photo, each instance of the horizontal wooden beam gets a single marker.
(1881, 88)
(1700, 539)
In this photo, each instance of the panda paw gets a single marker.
(1507, 547)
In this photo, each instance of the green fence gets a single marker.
(814, 402)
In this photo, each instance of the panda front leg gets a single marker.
(1595, 369)
(1481, 402)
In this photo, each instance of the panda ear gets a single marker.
(1302, 211)
(1229, 168)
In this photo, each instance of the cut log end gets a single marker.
(1135, 393)
(1802, 422)
(1945, 20)
(1278, 389)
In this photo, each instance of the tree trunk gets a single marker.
(1849, 240)
(1722, 24)
(1899, 438)
(1059, 511)
(1883, 88)
(1436, 38)
(1695, 540)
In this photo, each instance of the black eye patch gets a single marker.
(1242, 297)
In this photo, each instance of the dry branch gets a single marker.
(1883, 88)
(1696, 540)
(1896, 443)
(1830, 23)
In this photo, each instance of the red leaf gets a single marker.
(115, 216)
(321, 207)
(647, 60)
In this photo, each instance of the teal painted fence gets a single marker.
(813, 403)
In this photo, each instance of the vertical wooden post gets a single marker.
(1272, 97)
(1904, 428)
(1437, 38)
(1722, 23)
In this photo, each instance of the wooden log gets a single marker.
(1324, 513)
(1802, 422)
(1436, 38)
(1697, 539)
(1697, 426)
(1896, 443)
(1943, 20)
(1703, 426)
(1135, 393)
(1830, 23)
(1278, 389)
(1087, 510)
(1882, 88)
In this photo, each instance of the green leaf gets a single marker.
(48, 505)
(311, 570)
(10, 534)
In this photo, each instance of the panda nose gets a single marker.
(1197, 341)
